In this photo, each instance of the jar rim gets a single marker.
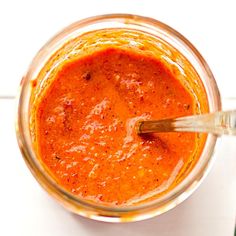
(172, 197)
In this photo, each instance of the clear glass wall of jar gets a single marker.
(93, 210)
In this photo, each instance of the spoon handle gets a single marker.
(216, 123)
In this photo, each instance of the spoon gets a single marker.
(219, 123)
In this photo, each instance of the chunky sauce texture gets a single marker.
(85, 132)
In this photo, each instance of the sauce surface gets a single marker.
(85, 131)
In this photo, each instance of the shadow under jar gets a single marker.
(117, 34)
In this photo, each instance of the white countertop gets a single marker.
(26, 209)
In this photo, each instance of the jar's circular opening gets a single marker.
(147, 25)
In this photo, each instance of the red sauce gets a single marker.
(84, 127)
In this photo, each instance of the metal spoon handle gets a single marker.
(216, 123)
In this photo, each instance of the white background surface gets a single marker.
(25, 209)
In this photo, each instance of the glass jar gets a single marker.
(92, 210)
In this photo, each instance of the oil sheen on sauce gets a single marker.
(85, 131)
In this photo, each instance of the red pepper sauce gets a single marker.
(85, 127)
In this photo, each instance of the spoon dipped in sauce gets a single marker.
(218, 123)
